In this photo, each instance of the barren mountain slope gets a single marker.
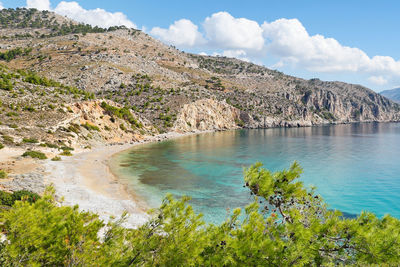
(169, 89)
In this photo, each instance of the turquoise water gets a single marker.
(355, 167)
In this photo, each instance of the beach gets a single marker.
(85, 179)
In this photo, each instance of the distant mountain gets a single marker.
(393, 94)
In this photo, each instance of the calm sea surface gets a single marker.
(354, 167)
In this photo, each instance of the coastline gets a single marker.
(86, 179)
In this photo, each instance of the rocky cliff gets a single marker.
(163, 88)
(206, 115)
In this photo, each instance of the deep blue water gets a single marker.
(354, 167)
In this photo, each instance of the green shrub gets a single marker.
(90, 127)
(1, 146)
(66, 153)
(66, 148)
(49, 145)
(14, 53)
(56, 158)
(6, 199)
(8, 139)
(122, 113)
(3, 174)
(25, 195)
(30, 140)
(35, 155)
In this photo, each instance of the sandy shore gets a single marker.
(85, 180)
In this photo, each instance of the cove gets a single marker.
(355, 167)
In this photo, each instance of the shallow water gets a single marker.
(355, 167)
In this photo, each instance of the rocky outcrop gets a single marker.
(106, 126)
(207, 114)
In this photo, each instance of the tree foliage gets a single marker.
(285, 225)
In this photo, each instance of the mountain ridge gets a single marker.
(168, 89)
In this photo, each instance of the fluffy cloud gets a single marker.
(290, 41)
(96, 17)
(38, 4)
(284, 40)
(378, 80)
(240, 54)
(1, 6)
(182, 33)
(227, 32)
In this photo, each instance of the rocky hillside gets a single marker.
(393, 94)
(69, 82)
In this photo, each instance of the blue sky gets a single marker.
(370, 27)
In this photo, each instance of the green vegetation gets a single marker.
(34, 154)
(56, 158)
(30, 140)
(8, 139)
(14, 53)
(8, 199)
(49, 145)
(90, 127)
(122, 113)
(1, 146)
(285, 225)
(328, 116)
(66, 153)
(3, 174)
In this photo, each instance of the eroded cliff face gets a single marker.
(207, 114)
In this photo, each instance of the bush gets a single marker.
(35, 155)
(122, 113)
(66, 148)
(56, 158)
(25, 195)
(285, 224)
(1, 146)
(8, 139)
(90, 127)
(49, 145)
(30, 140)
(3, 174)
(66, 153)
(8, 199)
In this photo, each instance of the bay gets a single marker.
(355, 167)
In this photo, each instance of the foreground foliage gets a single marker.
(286, 225)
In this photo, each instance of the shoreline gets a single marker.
(86, 179)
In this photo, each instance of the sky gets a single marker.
(353, 41)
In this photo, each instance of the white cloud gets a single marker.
(240, 54)
(1, 6)
(95, 17)
(378, 80)
(226, 32)
(288, 40)
(284, 40)
(38, 4)
(182, 33)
